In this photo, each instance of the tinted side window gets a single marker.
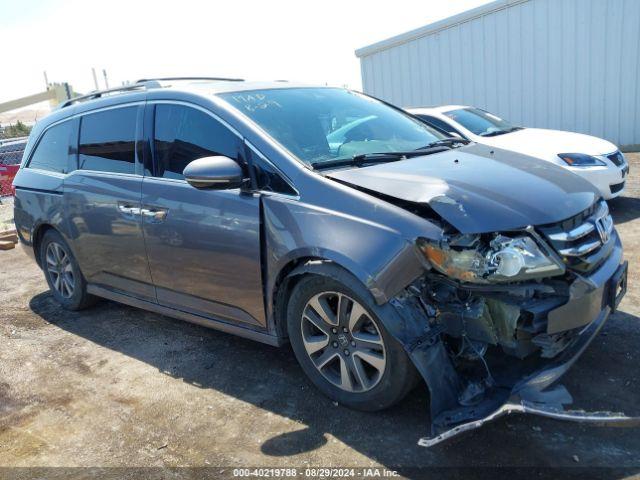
(183, 134)
(267, 177)
(52, 152)
(107, 141)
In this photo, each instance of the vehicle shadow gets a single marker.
(270, 379)
(624, 209)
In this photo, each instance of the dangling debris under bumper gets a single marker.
(534, 395)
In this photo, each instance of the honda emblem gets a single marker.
(602, 230)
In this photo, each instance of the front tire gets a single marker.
(343, 346)
(62, 272)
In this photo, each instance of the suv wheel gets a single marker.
(343, 346)
(62, 272)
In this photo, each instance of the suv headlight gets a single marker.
(503, 259)
(580, 160)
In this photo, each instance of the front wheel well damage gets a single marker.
(291, 274)
(287, 279)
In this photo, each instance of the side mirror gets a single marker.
(219, 173)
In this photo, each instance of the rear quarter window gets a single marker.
(53, 149)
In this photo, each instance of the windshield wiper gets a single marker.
(500, 132)
(446, 142)
(376, 157)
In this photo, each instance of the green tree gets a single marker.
(19, 129)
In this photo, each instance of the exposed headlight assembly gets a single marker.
(502, 259)
(581, 160)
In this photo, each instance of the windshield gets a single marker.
(325, 124)
(479, 122)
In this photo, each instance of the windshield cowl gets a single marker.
(365, 159)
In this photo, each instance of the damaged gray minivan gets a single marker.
(381, 249)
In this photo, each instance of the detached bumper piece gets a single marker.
(605, 419)
(533, 395)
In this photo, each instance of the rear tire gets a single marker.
(62, 272)
(353, 361)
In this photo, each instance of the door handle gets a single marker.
(154, 215)
(126, 209)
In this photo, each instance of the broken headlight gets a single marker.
(500, 259)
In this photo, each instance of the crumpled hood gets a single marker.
(547, 144)
(478, 191)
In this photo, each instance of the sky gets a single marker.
(310, 41)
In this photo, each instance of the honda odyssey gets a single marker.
(380, 249)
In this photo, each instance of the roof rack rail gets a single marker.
(99, 93)
(165, 79)
(140, 84)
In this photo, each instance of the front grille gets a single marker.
(616, 158)
(616, 187)
(585, 240)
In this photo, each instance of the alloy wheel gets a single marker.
(60, 269)
(343, 342)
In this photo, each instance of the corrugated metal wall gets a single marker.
(563, 64)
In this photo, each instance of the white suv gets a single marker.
(597, 160)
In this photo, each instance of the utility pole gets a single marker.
(95, 78)
(106, 80)
(46, 80)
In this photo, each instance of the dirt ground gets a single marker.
(119, 387)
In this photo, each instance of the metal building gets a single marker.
(563, 64)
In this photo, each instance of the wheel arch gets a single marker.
(37, 236)
(292, 272)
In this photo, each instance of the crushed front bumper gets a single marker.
(530, 389)
(534, 395)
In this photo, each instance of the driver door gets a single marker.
(203, 245)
